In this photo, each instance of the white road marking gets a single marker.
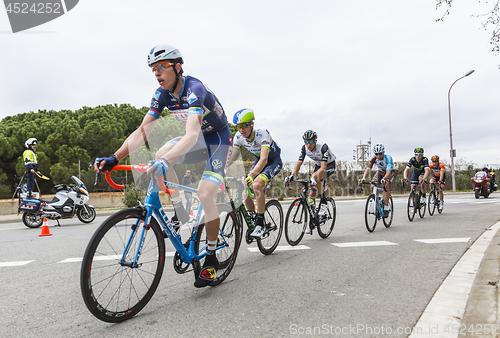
(444, 240)
(15, 263)
(354, 244)
(283, 248)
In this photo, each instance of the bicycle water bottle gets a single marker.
(311, 202)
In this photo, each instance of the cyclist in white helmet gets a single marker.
(385, 173)
(267, 162)
(192, 102)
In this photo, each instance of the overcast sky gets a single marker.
(350, 70)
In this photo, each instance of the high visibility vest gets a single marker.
(29, 157)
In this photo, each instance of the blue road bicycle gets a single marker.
(124, 260)
(374, 209)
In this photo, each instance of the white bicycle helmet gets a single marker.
(164, 52)
(378, 148)
(30, 142)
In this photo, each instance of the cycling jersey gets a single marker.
(436, 169)
(262, 139)
(420, 166)
(320, 154)
(384, 165)
(195, 98)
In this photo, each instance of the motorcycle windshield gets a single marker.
(481, 174)
(78, 182)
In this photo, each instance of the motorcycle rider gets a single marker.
(30, 164)
(491, 175)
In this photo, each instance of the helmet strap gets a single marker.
(177, 77)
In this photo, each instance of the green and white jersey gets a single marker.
(262, 139)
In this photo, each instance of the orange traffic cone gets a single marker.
(45, 229)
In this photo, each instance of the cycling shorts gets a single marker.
(416, 175)
(213, 148)
(380, 175)
(436, 178)
(271, 169)
(330, 169)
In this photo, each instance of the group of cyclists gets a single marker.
(208, 138)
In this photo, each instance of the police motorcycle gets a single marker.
(67, 202)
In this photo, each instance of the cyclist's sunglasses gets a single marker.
(244, 125)
(161, 66)
(418, 154)
(379, 154)
(309, 142)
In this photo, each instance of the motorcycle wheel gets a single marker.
(86, 216)
(32, 220)
(477, 193)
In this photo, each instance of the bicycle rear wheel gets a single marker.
(411, 206)
(432, 202)
(388, 220)
(327, 219)
(229, 240)
(295, 222)
(273, 220)
(371, 213)
(113, 289)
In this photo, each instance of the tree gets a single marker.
(491, 21)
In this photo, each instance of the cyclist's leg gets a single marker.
(422, 184)
(441, 186)
(219, 150)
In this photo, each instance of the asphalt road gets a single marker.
(326, 287)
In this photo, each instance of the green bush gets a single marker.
(131, 195)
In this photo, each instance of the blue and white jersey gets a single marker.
(262, 139)
(195, 98)
(385, 164)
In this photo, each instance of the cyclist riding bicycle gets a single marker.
(324, 160)
(385, 173)
(267, 162)
(420, 170)
(192, 102)
(438, 175)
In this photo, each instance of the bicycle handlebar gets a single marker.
(239, 180)
(139, 168)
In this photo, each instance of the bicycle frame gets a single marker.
(153, 208)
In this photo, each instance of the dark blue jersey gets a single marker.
(195, 98)
(420, 166)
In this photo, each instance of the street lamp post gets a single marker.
(452, 152)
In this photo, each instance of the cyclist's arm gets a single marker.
(297, 167)
(426, 173)
(193, 127)
(405, 173)
(264, 152)
(137, 138)
(367, 172)
(234, 154)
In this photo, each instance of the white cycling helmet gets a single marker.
(378, 148)
(164, 52)
(29, 142)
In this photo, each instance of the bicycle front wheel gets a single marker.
(273, 221)
(411, 206)
(432, 202)
(327, 218)
(115, 287)
(228, 243)
(295, 222)
(422, 208)
(371, 213)
(388, 220)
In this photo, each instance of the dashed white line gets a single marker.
(283, 248)
(443, 240)
(4, 264)
(356, 244)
